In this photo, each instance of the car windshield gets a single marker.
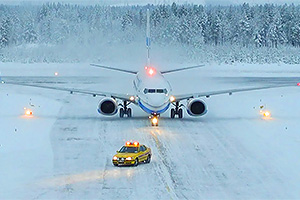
(125, 149)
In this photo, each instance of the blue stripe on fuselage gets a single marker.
(152, 111)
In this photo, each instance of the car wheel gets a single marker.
(148, 159)
(136, 163)
(115, 164)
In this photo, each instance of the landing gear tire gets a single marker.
(154, 124)
(122, 112)
(172, 113)
(136, 163)
(180, 113)
(125, 110)
(129, 113)
(148, 159)
(177, 111)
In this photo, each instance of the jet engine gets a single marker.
(108, 106)
(196, 107)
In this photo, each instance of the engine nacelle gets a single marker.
(108, 106)
(196, 107)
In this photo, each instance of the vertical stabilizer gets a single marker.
(148, 37)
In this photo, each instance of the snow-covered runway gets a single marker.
(230, 153)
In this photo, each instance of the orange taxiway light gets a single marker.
(28, 112)
(267, 114)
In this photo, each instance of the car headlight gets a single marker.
(115, 158)
(128, 158)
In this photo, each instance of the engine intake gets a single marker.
(108, 106)
(196, 107)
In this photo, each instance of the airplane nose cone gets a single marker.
(156, 100)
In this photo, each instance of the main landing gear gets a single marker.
(125, 110)
(177, 111)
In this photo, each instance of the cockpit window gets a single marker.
(162, 91)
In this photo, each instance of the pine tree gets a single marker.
(5, 28)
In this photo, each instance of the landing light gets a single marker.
(172, 98)
(154, 120)
(132, 98)
(56, 74)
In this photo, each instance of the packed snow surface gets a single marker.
(64, 150)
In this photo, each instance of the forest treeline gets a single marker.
(195, 26)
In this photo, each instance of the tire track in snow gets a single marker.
(168, 180)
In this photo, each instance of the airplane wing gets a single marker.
(180, 69)
(135, 72)
(115, 69)
(125, 97)
(230, 91)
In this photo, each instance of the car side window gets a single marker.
(142, 148)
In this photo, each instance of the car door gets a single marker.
(143, 153)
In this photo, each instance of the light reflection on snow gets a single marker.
(90, 176)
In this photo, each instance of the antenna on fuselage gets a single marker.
(148, 37)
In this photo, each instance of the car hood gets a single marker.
(125, 155)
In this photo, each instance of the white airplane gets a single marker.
(153, 93)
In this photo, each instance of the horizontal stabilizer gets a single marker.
(115, 69)
(181, 69)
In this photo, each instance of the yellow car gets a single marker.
(132, 154)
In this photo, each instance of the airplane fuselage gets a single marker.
(152, 91)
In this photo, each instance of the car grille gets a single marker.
(121, 159)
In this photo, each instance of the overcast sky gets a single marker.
(125, 2)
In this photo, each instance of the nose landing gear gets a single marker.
(154, 119)
(125, 110)
(177, 111)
